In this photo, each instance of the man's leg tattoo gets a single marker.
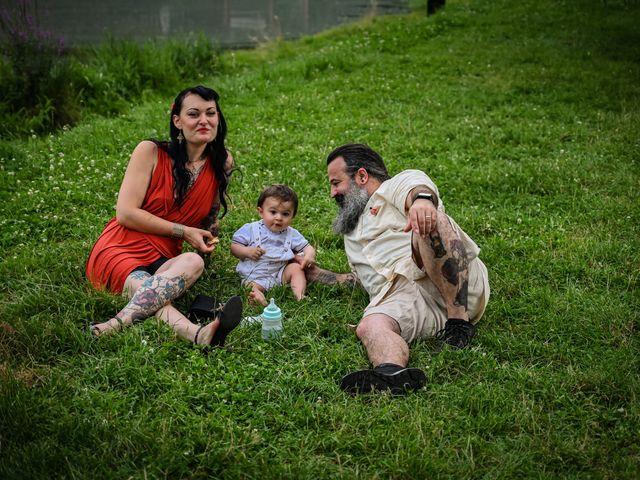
(461, 296)
(154, 293)
(325, 276)
(451, 268)
(436, 244)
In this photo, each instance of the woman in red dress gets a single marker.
(171, 193)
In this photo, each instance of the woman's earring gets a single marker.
(180, 137)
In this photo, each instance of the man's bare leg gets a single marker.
(443, 258)
(380, 335)
(389, 355)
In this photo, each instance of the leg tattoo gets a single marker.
(134, 280)
(436, 244)
(452, 267)
(461, 296)
(154, 293)
(325, 276)
(450, 270)
(139, 275)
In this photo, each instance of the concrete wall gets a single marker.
(230, 23)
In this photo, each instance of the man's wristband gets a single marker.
(177, 231)
(423, 196)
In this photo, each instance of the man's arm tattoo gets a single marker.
(325, 276)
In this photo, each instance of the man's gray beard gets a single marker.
(355, 201)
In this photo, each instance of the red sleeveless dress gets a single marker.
(120, 250)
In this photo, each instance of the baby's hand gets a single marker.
(254, 253)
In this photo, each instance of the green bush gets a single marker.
(44, 86)
(34, 92)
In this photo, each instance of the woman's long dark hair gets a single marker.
(215, 150)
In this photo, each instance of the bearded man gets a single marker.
(421, 271)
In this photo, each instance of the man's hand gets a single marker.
(422, 218)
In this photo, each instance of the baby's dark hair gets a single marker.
(284, 193)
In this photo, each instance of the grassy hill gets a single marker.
(524, 113)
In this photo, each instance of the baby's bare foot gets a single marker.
(257, 297)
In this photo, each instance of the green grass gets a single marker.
(525, 114)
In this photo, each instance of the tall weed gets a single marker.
(118, 71)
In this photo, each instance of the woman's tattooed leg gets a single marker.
(133, 282)
(148, 295)
(153, 294)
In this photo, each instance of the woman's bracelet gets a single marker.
(177, 231)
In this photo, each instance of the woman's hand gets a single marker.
(202, 240)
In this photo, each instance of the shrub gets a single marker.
(44, 86)
(34, 91)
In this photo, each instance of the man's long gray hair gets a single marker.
(359, 155)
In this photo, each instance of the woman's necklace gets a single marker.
(195, 172)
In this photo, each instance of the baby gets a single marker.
(271, 252)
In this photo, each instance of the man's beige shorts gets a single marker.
(419, 308)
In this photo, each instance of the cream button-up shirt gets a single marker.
(378, 249)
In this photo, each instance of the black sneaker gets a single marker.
(399, 382)
(457, 333)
